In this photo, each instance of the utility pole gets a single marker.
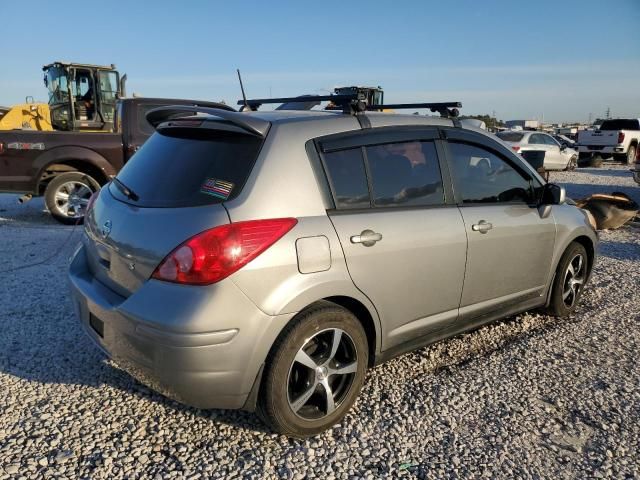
(607, 115)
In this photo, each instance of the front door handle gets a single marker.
(368, 238)
(481, 226)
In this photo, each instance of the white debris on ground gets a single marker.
(528, 397)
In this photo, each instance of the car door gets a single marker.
(510, 245)
(402, 236)
(18, 154)
(557, 159)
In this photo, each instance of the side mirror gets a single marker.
(563, 147)
(552, 194)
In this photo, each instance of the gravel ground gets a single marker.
(529, 397)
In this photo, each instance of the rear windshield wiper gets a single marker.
(130, 194)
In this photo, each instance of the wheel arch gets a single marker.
(588, 245)
(353, 305)
(69, 159)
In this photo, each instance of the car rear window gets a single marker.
(510, 136)
(620, 124)
(184, 167)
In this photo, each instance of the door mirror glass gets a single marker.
(553, 194)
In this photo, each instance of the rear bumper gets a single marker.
(601, 149)
(201, 346)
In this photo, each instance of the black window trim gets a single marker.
(380, 136)
(478, 140)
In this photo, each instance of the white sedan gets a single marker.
(557, 156)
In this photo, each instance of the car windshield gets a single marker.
(510, 136)
(56, 82)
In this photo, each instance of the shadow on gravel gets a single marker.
(30, 213)
(602, 172)
(579, 190)
(620, 250)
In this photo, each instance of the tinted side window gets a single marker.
(405, 173)
(482, 176)
(537, 139)
(347, 178)
(549, 140)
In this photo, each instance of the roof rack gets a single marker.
(446, 109)
(353, 104)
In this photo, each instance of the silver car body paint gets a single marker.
(430, 275)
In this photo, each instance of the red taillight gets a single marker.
(92, 200)
(515, 148)
(215, 254)
(620, 137)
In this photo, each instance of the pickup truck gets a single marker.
(618, 138)
(68, 167)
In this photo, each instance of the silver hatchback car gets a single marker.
(266, 260)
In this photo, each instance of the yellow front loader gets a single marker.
(26, 116)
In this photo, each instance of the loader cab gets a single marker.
(82, 97)
(372, 95)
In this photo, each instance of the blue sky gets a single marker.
(557, 60)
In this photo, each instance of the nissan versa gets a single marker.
(266, 260)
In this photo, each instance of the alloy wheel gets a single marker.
(321, 374)
(71, 199)
(574, 278)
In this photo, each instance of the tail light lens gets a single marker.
(515, 148)
(215, 254)
(620, 137)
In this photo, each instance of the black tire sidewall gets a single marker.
(49, 193)
(556, 304)
(273, 404)
(631, 157)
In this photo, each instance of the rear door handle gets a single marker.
(481, 226)
(368, 238)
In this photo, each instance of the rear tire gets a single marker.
(303, 392)
(631, 155)
(569, 281)
(66, 196)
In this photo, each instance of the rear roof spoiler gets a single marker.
(252, 125)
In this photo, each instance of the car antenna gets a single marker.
(244, 97)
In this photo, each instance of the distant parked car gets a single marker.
(636, 168)
(557, 156)
(564, 140)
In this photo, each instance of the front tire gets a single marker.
(315, 371)
(573, 163)
(67, 195)
(569, 281)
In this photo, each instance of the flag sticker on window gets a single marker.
(217, 188)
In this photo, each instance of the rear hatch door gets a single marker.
(172, 189)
